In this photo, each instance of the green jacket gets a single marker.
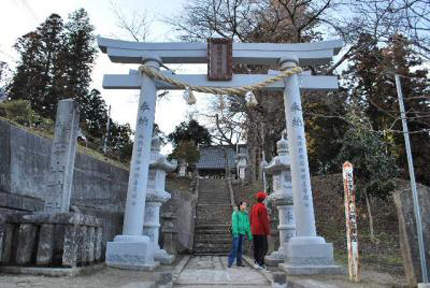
(240, 224)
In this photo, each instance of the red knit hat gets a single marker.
(261, 195)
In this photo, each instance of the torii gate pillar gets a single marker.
(307, 252)
(132, 250)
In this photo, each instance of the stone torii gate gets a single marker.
(307, 252)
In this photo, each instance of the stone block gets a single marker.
(98, 243)
(83, 239)
(7, 243)
(70, 246)
(423, 285)
(408, 231)
(45, 249)
(26, 243)
(309, 255)
(91, 244)
(131, 252)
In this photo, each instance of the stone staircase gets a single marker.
(211, 236)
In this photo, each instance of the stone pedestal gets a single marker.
(169, 233)
(62, 158)
(54, 240)
(155, 197)
(279, 167)
(132, 250)
(307, 253)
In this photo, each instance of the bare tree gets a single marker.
(136, 25)
(384, 18)
(278, 21)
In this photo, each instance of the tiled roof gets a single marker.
(213, 157)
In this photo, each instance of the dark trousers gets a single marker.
(260, 248)
(236, 251)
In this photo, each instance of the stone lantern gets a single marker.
(282, 196)
(241, 164)
(155, 197)
(182, 168)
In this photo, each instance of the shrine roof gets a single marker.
(213, 157)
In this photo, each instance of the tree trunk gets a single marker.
(369, 212)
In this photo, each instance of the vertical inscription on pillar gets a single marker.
(142, 122)
(297, 122)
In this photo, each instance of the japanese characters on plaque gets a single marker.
(297, 122)
(220, 54)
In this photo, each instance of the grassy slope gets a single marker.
(82, 149)
(383, 256)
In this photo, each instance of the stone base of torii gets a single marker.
(305, 252)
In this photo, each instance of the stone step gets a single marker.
(212, 226)
(224, 241)
(208, 231)
(211, 253)
(212, 237)
(204, 228)
(222, 246)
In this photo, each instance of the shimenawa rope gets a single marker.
(241, 90)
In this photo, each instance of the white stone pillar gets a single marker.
(133, 250)
(307, 253)
(62, 161)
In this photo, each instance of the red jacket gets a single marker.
(259, 220)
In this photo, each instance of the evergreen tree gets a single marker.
(374, 166)
(93, 114)
(78, 54)
(56, 62)
(190, 131)
(370, 81)
(38, 77)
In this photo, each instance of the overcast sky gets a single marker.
(21, 16)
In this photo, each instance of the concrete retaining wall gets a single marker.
(99, 188)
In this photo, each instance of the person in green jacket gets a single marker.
(240, 228)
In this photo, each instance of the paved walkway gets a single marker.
(212, 271)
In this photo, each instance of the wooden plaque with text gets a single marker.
(220, 54)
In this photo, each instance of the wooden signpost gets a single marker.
(351, 222)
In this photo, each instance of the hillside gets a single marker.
(382, 256)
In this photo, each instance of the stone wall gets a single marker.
(99, 188)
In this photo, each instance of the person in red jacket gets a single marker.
(260, 229)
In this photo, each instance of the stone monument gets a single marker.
(280, 170)
(155, 197)
(62, 160)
